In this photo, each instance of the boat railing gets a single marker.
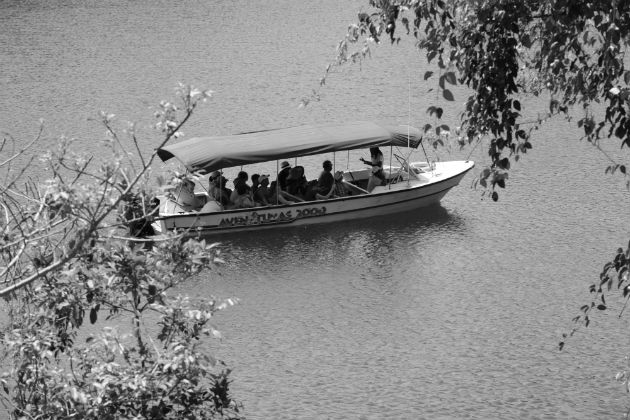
(354, 188)
(404, 169)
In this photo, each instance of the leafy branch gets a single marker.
(63, 262)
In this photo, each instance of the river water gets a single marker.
(451, 312)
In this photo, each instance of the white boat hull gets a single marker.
(403, 196)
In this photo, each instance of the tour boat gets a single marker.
(408, 186)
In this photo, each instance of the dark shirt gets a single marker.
(221, 196)
(262, 194)
(296, 186)
(325, 182)
(282, 177)
(239, 181)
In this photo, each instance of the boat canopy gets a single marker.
(207, 154)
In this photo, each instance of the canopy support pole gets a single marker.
(408, 143)
(391, 153)
(408, 120)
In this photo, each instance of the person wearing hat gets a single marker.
(217, 188)
(213, 184)
(213, 177)
(283, 174)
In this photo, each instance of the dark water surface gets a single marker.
(450, 312)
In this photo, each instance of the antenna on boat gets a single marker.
(425, 155)
(198, 175)
(409, 127)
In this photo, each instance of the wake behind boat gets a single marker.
(404, 186)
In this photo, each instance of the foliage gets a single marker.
(615, 274)
(64, 261)
(502, 51)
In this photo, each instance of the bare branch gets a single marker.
(23, 150)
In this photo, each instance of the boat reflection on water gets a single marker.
(372, 238)
(346, 299)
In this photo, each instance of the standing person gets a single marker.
(283, 174)
(377, 177)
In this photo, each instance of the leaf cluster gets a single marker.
(504, 50)
(615, 276)
(66, 258)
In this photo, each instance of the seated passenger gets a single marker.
(224, 189)
(309, 194)
(261, 194)
(325, 182)
(242, 199)
(296, 182)
(183, 198)
(217, 188)
(283, 174)
(213, 184)
(255, 183)
(211, 206)
(337, 190)
(240, 179)
(277, 196)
